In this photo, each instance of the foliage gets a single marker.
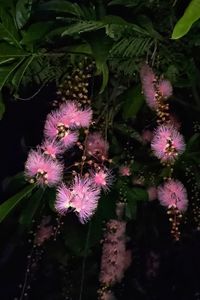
(42, 44)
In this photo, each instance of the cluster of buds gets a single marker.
(175, 217)
(76, 85)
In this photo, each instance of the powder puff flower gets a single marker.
(96, 146)
(56, 127)
(173, 193)
(85, 198)
(125, 171)
(167, 143)
(165, 88)
(63, 199)
(152, 193)
(75, 117)
(42, 169)
(148, 80)
(102, 179)
(52, 148)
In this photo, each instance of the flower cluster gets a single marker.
(44, 165)
(153, 88)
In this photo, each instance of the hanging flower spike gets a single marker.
(148, 80)
(173, 194)
(167, 144)
(52, 148)
(85, 198)
(102, 179)
(115, 258)
(42, 169)
(96, 146)
(56, 127)
(63, 199)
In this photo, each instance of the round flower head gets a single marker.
(63, 199)
(96, 146)
(148, 80)
(85, 198)
(167, 143)
(42, 170)
(102, 179)
(75, 117)
(52, 148)
(57, 128)
(147, 136)
(173, 193)
(165, 88)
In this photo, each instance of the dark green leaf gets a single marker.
(8, 30)
(191, 15)
(36, 32)
(9, 205)
(23, 12)
(31, 208)
(62, 7)
(6, 71)
(7, 51)
(133, 102)
(18, 76)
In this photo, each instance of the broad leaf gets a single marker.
(9, 51)
(36, 32)
(62, 7)
(17, 78)
(6, 71)
(23, 12)
(11, 203)
(8, 31)
(31, 208)
(191, 15)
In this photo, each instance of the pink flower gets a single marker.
(148, 80)
(96, 146)
(173, 193)
(167, 143)
(52, 148)
(147, 136)
(85, 198)
(42, 169)
(57, 127)
(125, 171)
(82, 196)
(102, 179)
(165, 88)
(75, 117)
(63, 199)
(152, 193)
